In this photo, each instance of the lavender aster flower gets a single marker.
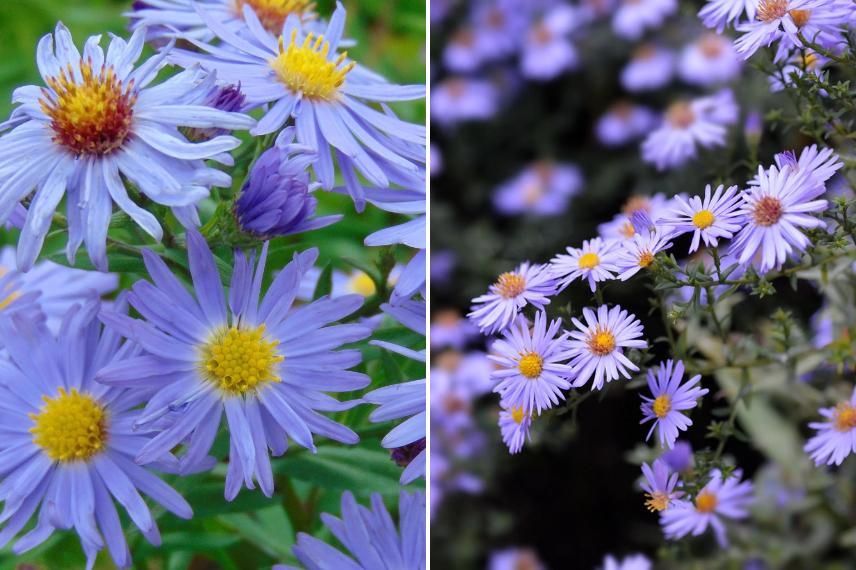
(531, 372)
(632, 562)
(623, 123)
(526, 285)
(633, 17)
(650, 68)
(514, 424)
(459, 99)
(69, 443)
(714, 217)
(515, 559)
(638, 253)
(95, 123)
(821, 165)
(709, 60)
(547, 51)
(621, 227)
(461, 53)
(659, 486)
(543, 189)
(719, 13)
(595, 261)
(835, 438)
(680, 457)
(669, 399)
(597, 346)
(719, 499)
(255, 357)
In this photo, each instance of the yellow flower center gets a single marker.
(657, 501)
(646, 258)
(362, 284)
(769, 10)
(93, 117)
(601, 342)
(588, 261)
(662, 405)
(273, 13)
(767, 211)
(703, 219)
(706, 502)
(70, 427)
(305, 68)
(517, 414)
(800, 17)
(510, 285)
(845, 416)
(531, 365)
(238, 360)
(627, 230)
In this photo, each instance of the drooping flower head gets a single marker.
(264, 362)
(514, 424)
(69, 442)
(595, 261)
(597, 346)
(513, 290)
(669, 399)
(659, 485)
(632, 562)
(96, 125)
(638, 253)
(716, 216)
(542, 189)
(836, 437)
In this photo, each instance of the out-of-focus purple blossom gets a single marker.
(515, 559)
(446, 479)
(651, 67)
(461, 54)
(450, 330)
(547, 50)
(709, 60)
(836, 437)
(753, 127)
(440, 9)
(442, 265)
(624, 122)
(632, 562)
(719, 13)
(621, 226)
(463, 99)
(436, 160)
(811, 62)
(633, 17)
(680, 457)
(499, 26)
(542, 189)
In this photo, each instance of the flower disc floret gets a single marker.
(238, 360)
(305, 68)
(70, 427)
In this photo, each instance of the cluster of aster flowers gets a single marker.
(105, 388)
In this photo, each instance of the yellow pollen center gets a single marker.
(273, 13)
(70, 427)
(811, 60)
(703, 219)
(531, 365)
(680, 115)
(657, 501)
(845, 416)
(92, 116)
(646, 258)
(588, 261)
(305, 68)
(767, 211)
(510, 285)
(800, 17)
(705, 502)
(517, 414)
(362, 284)
(601, 342)
(662, 405)
(238, 360)
(627, 230)
(770, 10)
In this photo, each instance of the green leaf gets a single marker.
(325, 282)
(345, 468)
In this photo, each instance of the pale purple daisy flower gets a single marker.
(499, 26)
(633, 17)
(547, 50)
(669, 400)
(719, 13)
(531, 371)
(621, 226)
(461, 53)
(650, 68)
(69, 442)
(542, 189)
(821, 165)
(459, 99)
(836, 437)
(514, 424)
(264, 362)
(639, 252)
(632, 562)
(776, 210)
(595, 261)
(718, 500)
(527, 285)
(97, 123)
(623, 123)
(450, 330)
(709, 60)
(688, 125)
(659, 485)
(301, 74)
(515, 559)
(716, 216)
(597, 346)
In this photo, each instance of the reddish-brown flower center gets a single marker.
(767, 211)
(771, 10)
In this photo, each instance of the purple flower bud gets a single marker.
(228, 98)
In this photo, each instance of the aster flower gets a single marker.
(709, 60)
(714, 217)
(547, 50)
(638, 253)
(499, 26)
(835, 438)
(461, 53)
(542, 189)
(450, 330)
(776, 210)
(370, 537)
(263, 362)
(688, 125)
(659, 485)
(650, 68)
(514, 423)
(719, 13)
(514, 559)
(799, 63)
(69, 442)
(531, 371)
(719, 499)
(669, 399)
(680, 457)
(621, 226)
(820, 165)
(595, 261)
(301, 74)
(632, 562)
(633, 17)
(597, 346)
(526, 285)
(623, 123)
(95, 123)
(459, 99)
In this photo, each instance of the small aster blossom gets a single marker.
(680, 457)
(96, 123)
(638, 253)
(255, 357)
(543, 189)
(709, 60)
(597, 346)
(623, 123)
(821, 165)
(776, 211)
(621, 226)
(800, 63)
(499, 26)
(301, 74)
(669, 400)
(836, 437)
(515, 559)
(547, 50)
(659, 486)
(595, 261)
(514, 424)
(531, 371)
(716, 501)
(716, 216)
(688, 125)
(370, 537)
(632, 562)
(450, 330)
(650, 68)
(527, 285)
(461, 53)
(718, 14)
(69, 442)
(633, 17)
(459, 99)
